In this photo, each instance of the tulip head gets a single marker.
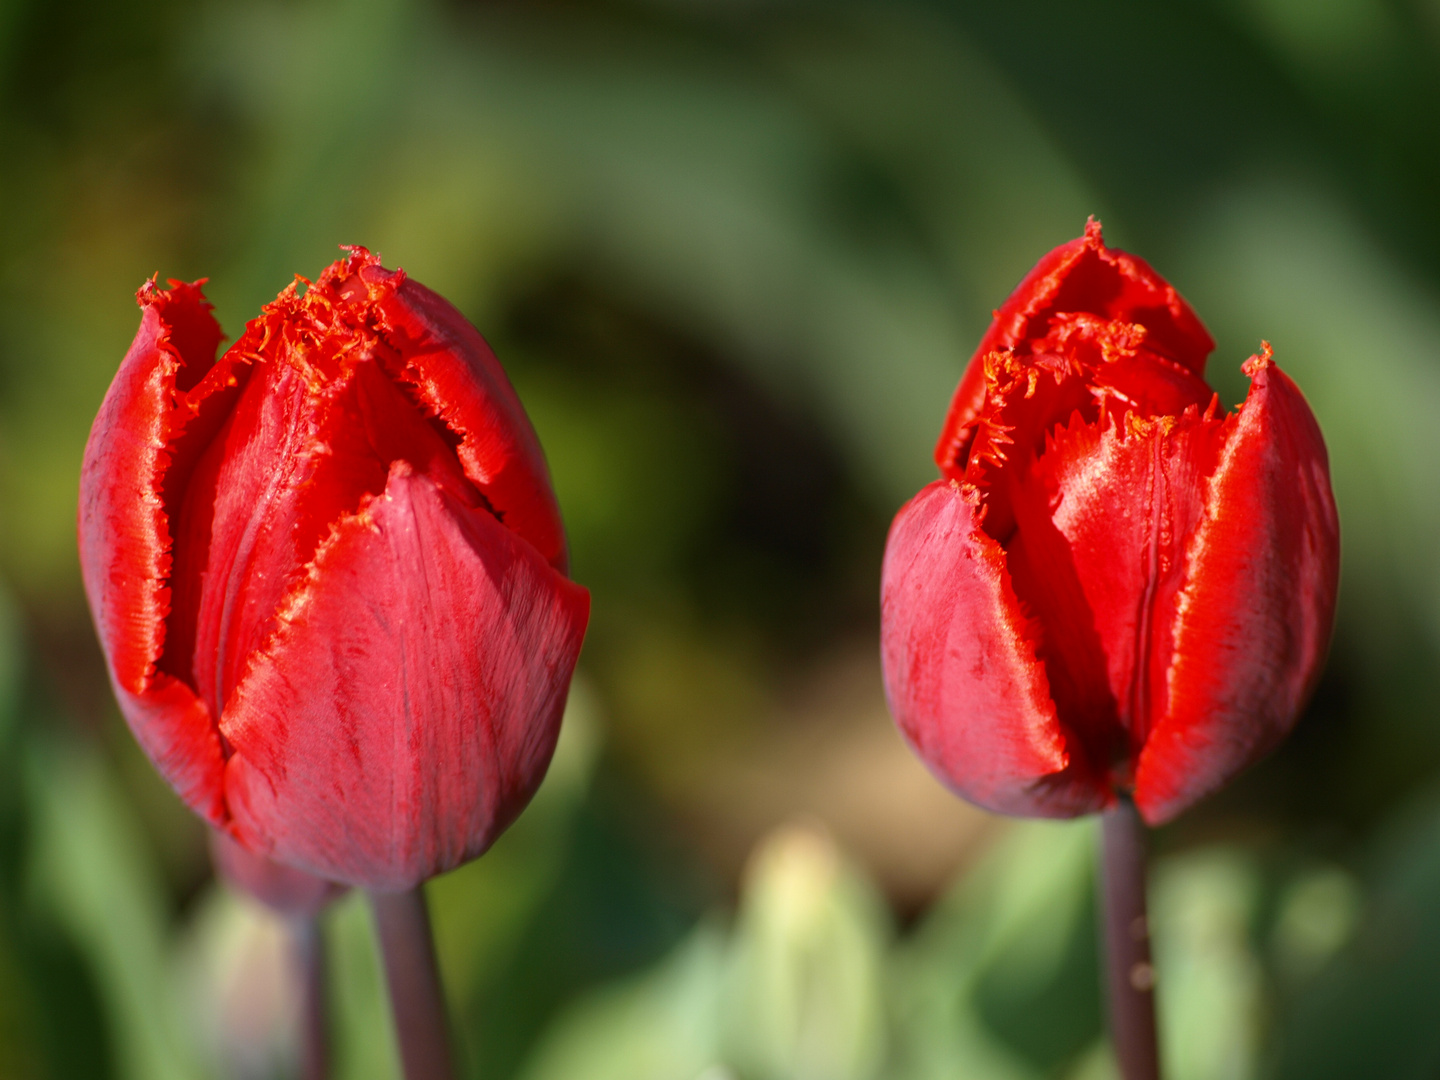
(327, 570)
(1116, 587)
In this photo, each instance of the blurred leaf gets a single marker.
(1370, 1012)
(10, 12)
(21, 1057)
(803, 995)
(1211, 993)
(974, 181)
(1038, 996)
(1000, 939)
(359, 1008)
(1327, 40)
(94, 874)
(661, 1026)
(1318, 914)
(305, 183)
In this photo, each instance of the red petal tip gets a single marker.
(1260, 361)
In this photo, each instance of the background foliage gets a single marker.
(734, 254)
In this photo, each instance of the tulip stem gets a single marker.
(1130, 976)
(309, 945)
(402, 924)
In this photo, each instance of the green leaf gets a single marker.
(660, 1026)
(804, 993)
(93, 873)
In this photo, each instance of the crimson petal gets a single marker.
(358, 754)
(1254, 616)
(1085, 277)
(125, 540)
(961, 674)
(1104, 515)
(456, 375)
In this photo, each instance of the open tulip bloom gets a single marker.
(327, 570)
(1118, 595)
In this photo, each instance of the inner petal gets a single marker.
(1103, 518)
(1115, 285)
(293, 458)
(1124, 365)
(202, 415)
(1046, 578)
(1150, 385)
(239, 513)
(1025, 398)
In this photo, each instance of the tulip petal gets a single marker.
(1085, 277)
(1103, 517)
(130, 461)
(407, 706)
(292, 460)
(961, 674)
(458, 378)
(357, 307)
(1254, 615)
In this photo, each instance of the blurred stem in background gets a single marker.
(1130, 976)
(308, 940)
(295, 900)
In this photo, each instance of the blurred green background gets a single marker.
(734, 254)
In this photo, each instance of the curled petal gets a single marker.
(456, 375)
(1083, 278)
(1254, 615)
(961, 674)
(407, 706)
(125, 540)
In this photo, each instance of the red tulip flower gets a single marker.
(328, 574)
(1117, 588)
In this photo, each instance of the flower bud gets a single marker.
(328, 574)
(1117, 587)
